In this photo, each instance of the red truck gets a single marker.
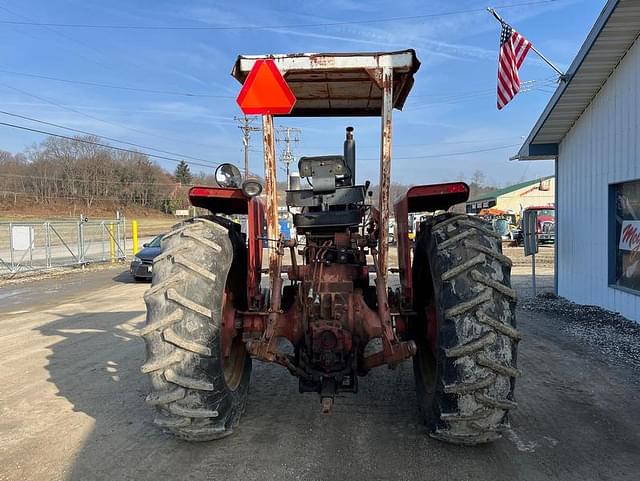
(545, 225)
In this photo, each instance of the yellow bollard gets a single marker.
(112, 243)
(134, 233)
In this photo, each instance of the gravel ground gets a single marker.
(611, 334)
(72, 405)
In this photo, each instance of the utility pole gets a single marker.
(247, 128)
(288, 135)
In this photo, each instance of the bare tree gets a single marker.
(78, 171)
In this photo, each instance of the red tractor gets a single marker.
(210, 313)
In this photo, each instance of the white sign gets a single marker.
(22, 238)
(630, 236)
(182, 212)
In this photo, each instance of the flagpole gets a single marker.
(563, 76)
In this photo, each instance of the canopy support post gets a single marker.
(385, 174)
(271, 194)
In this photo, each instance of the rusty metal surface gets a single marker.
(421, 198)
(325, 310)
(337, 84)
(385, 173)
(402, 351)
(404, 251)
(228, 328)
(328, 311)
(264, 348)
(271, 194)
(255, 225)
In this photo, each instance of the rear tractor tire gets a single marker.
(465, 388)
(199, 393)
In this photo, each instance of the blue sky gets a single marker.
(451, 109)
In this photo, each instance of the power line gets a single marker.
(79, 112)
(99, 144)
(109, 66)
(527, 86)
(117, 87)
(288, 135)
(452, 154)
(246, 131)
(77, 197)
(62, 35)
(123, 183)
(84, 132)
(66, 197)
(268, 27)
(92, 117)
(402, 145)
(247, 128)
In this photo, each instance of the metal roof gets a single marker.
(494, 194)
(613, 34)
(339, 84)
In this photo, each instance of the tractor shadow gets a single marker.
(94, 364)
(376, 434)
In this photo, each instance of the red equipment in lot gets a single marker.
(209, 316)
(545, 222)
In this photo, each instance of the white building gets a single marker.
(591, 128)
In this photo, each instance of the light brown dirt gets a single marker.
(72, 210)
(72, 406)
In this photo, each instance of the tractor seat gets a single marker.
(334, 219)
(339, 209)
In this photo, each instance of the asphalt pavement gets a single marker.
(72, 406)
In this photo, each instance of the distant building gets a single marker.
(516, 197)
(590, 127)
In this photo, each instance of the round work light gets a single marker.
(251, 188)
(228, 175)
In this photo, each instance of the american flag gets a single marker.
(513, 49)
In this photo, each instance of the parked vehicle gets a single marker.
(392, 232)
(208, 314)
(545, 225)
(415, 219)
(141, 267)
(503, 222)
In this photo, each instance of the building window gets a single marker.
(624, 235)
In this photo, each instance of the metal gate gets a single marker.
(30, 246)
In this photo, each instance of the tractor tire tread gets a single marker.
(182, 333)
(472, 346)
(161, 323)
(161, 362)
(165, 397)
(476, 358)
(173, 295)
(179, 410)
(170, 336)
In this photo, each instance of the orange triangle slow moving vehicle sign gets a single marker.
(265, 91)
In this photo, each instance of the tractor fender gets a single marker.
(219, 200)
(421, 198)
(230, 201)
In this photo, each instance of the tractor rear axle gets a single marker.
(329, 313)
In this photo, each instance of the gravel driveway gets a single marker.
(71, 404)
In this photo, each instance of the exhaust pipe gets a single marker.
(294, 181)
(350, 154)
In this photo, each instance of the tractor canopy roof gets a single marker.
(339, 84)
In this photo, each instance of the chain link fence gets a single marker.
(32, 246)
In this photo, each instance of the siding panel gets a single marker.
(601, 148)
